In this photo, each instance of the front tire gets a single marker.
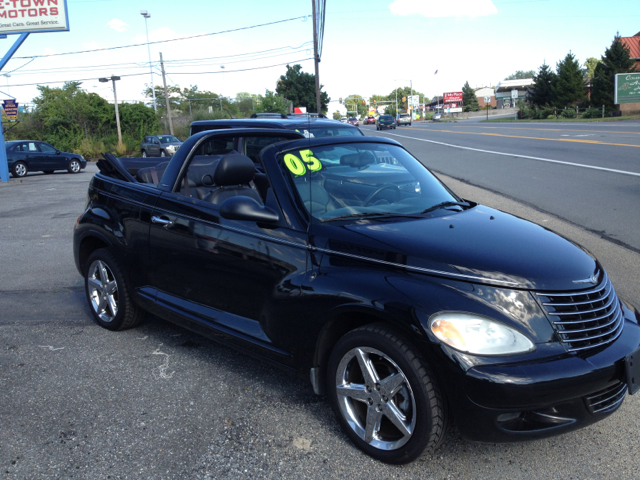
(19, 169)
(162, 153)
(144, 154)
(107, 293)
(384, 395)
(74, 166)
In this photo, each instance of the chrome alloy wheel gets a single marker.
(103, 291)
(20, 169)
(375, 398)
(74, 166)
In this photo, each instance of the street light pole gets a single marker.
(146, 15)
(113, 78)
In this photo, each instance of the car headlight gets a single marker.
(478, 335)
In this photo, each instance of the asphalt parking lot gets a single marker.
(158, 402)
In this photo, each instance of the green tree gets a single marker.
(469, 99)
(300, 88)
(616, 59)
(391, 110)
(271, 103)
(191, 100)
(336, 115)
(569, 88)
(541, 93)
(590, 65)
(64, 116)
(521, 75)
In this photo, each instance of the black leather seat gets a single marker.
(152, 174)
(316, 199)
(232, 177)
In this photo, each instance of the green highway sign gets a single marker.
(627, 88)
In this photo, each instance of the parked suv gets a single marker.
(159, 145)
(404, 119)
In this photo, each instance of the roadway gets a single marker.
(584, 173)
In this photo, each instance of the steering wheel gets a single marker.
(382, 188)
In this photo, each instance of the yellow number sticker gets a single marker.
(313, 162)
(297, 167)
(294, 164)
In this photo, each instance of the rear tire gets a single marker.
(144, 154)
(162, 153)
(385, 397)
(19, 169)
(107, 293)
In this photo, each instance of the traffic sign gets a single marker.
(487, 99)
(10, 109)
(514, 93)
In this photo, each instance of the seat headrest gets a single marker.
(234, 169)
(357, 159)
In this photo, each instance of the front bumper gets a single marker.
(541, 398)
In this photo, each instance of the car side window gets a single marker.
(47, 148)
(30, 147)
(18, 148)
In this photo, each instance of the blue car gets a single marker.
(25, 156)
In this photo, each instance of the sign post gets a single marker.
(27, 16)
(514, 97)
(487, 101)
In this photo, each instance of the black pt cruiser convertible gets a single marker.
(348, 262)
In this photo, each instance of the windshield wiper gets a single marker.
(446, 204)
(371, 214)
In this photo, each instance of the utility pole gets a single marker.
(113, 78)
(315, 56)
(166, 95)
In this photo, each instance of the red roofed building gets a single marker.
(633, 45)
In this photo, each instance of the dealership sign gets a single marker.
(20, 16)
(627, 88)
(450, 97)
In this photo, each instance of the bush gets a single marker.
(568, 113)
(592, 113)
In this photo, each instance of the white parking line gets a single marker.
(548, 160)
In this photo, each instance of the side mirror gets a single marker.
(246, 208)
(57, 152)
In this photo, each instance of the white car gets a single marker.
(404, 119)
(343, 119)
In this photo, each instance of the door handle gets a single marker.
(161, 221)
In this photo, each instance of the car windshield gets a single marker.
(167, 139)
(330, 131)
(386, 117)
(357, 180)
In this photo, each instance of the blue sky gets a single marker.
(370, 46)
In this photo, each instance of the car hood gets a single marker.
(481, 245)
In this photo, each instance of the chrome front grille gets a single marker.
(585, 319)
(607, 399)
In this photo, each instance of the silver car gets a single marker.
(404, 119)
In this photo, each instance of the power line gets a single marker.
(174, 73)
(166, 41)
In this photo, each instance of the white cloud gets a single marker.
(439, 9)
(118, 25)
